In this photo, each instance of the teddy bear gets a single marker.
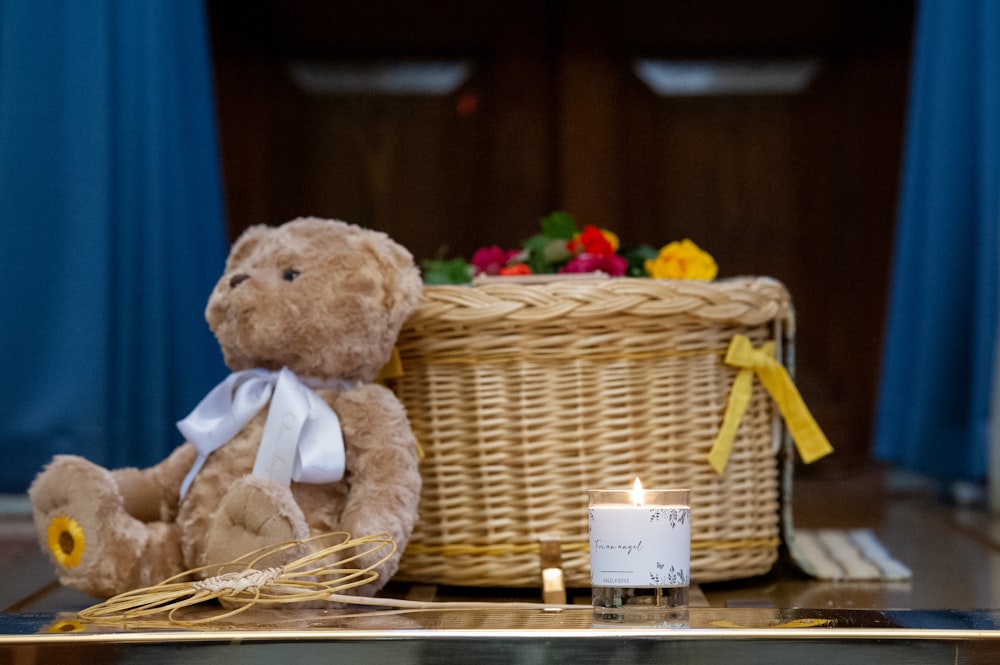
(299, 440)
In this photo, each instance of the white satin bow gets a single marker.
(302, 439)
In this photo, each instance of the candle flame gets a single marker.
(637, 494)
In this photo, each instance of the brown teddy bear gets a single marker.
(298, 441)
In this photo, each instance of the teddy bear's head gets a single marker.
(322, 297)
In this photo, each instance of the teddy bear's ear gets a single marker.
(245, 244)
(404, 296)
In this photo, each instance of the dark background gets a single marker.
(799, 185)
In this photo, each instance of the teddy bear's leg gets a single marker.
(256, 512)
(96, 545)
(385, 481)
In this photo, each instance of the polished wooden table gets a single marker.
(716, 635)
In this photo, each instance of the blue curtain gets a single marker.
(112, 229)
(934, 405)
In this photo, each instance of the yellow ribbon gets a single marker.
(809, 438)
(392, 369)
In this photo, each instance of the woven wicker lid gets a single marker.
(742, 300)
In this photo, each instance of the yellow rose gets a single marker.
(682, 260)
(612, 239)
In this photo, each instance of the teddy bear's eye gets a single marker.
(291, 274)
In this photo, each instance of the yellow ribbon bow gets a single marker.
(809, 438)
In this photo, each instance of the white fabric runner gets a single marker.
(847, 555)
(302, 439)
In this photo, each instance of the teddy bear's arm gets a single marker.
(383, 476)
(153, 494)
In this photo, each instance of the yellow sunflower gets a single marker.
(66, 541)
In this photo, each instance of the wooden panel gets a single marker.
(439, 173)
(852, 123)
(798, 186)
(720, 171)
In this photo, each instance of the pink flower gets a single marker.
(489, 260)
(612, 264)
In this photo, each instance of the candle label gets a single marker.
(640, 546)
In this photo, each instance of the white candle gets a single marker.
(640, 538)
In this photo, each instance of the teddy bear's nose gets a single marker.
(238, 279)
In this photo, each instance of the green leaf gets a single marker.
(535, 246)
(536, 243)
(555, 252)
(546, 254)
(446, 271)
(559, 224)
(636, 257)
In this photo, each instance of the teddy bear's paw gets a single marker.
(82, 524)
(255, 513)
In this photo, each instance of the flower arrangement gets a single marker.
(562, 247)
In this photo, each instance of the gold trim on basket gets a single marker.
(523, 357)
(467, 549)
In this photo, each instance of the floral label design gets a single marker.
(673, 516)
(640, 546)
(671, 577)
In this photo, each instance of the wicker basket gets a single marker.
(524, 396)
